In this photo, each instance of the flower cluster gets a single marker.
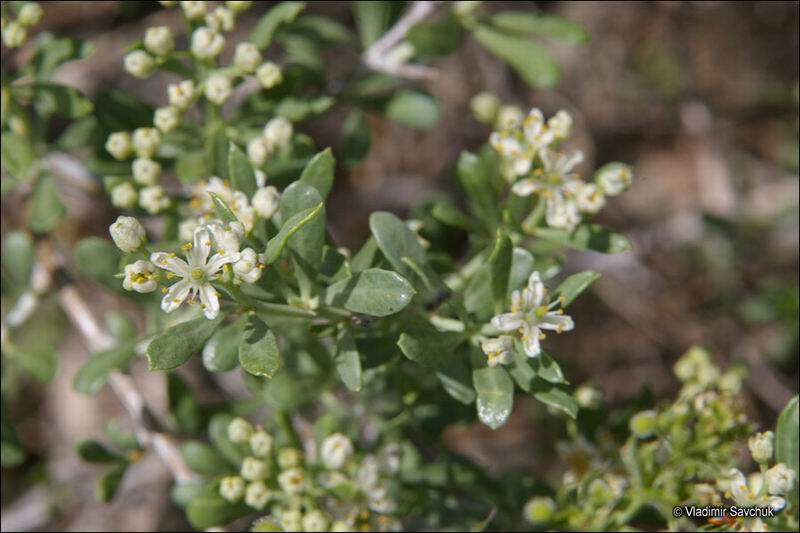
(532, 312)
(15, 32)
(338, 491)
(534, 160)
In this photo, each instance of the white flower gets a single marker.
(335, 451)
(128, 234)
(380, 502)
(509, 116)
(761, 445)
(146, 141)
(530, 314)
(315, 521)
(226, 237)
(261, 177)
(245, 213)
(368, 473)
(206, 43)
(557, 184)
(186, 229)
(30, 14)
(513, 151)
(589, 198)
(278, 132)
(158, 40)
(484, 106)
(181, 95)
(154, 199)
(560, 125)
(289, 458)
(240, 430)
(138, 63)
(340, 526)
(291, 520)
(499, 351)
(238, 7)
(247, 57)
(167, 118)
(614, 178)
(124, 196)
(257, 151)
(14, 34)
(257, 495)
(146, 171)
(194, 10)
(269, 75)
(747, 492)
(140, 277)
(218, 88)
(254, 469)
(539, 510)
(266, 201)
(197, 273)
(261, 443)
(292, 481)
(780, 479)
(231, 488)
(249, 266)
(119, 145)
(221, 19)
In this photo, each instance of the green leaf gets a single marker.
(93, 374)
(11, 452)
(319, 173)
(106, 486)
(396, 242)
(46, 209)
(534, 24)
(413, 109)
(556, 397)
(588, 237)
(290, 227)
(241, 172)
(39, 359)
(97, 259)
(438, 350)
(264, 31)
(191, 166)
(258, 350)
(177, 344)
(17, 154)
(532, 62)
(570, 288)
(218, 148)
(203, 459)
(787, 435)
(355, 138)
(117, 110)
(474, 174)
(309, 241)
(52, 52)
(433, 38)
(218, 433)
(452, 216)
(495, 394)
(66, 101)
(221, 352)
(185, 411)
(348, 361)
(372, 292)
(18, 258)
(221, 208)
(92, 451)
(521, 268)
(500, 269)
(372, 20)
(365, 257)
(526, 369)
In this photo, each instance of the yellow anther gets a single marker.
(186, 247)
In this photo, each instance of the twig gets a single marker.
(376, 56)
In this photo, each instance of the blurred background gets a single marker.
(700, 97)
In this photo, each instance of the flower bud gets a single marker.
(206, 43)
(254, 469)
(167, 118)
(261, 441)
(539, 510)
(226, 238)
(238, 7)
(119, 145)
(560, 125)
(30, 14)
(292, 481)
(291, 520)
(14, 34)
(335, 451)
(128, 234)
(139, 64)
(589, 198)
(218, 88)
(266, 201)
(194, 10)
(154, 199)
(249, 266)
(124, 196)
(257, 151)
(269, 75)
(247, 57)
(158, 40)
(289, 458)
(257, 495)
(140, 276)
(239, 430)
(221, 19)
(509, 116)
(146, 141)
(315, 521)
(761, 445)
(146, 171)
(643, 424)
(181, 95)
(614, 178)
(484, 107)
(186, 229)
(780, 479)
(278, 132)
(231, 488)
(340, 526)
(589, 397)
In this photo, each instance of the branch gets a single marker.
(376, 56)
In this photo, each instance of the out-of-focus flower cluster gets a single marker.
(15, 30)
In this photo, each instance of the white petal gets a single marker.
(176, 295)
(209, 301)
(170, 262)
(530, 341)
(218, 260)
(200, 248)
(508, 321)
(522, 164)
(536, 289)
(569, 161)
(524, 187)
(557, 322)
